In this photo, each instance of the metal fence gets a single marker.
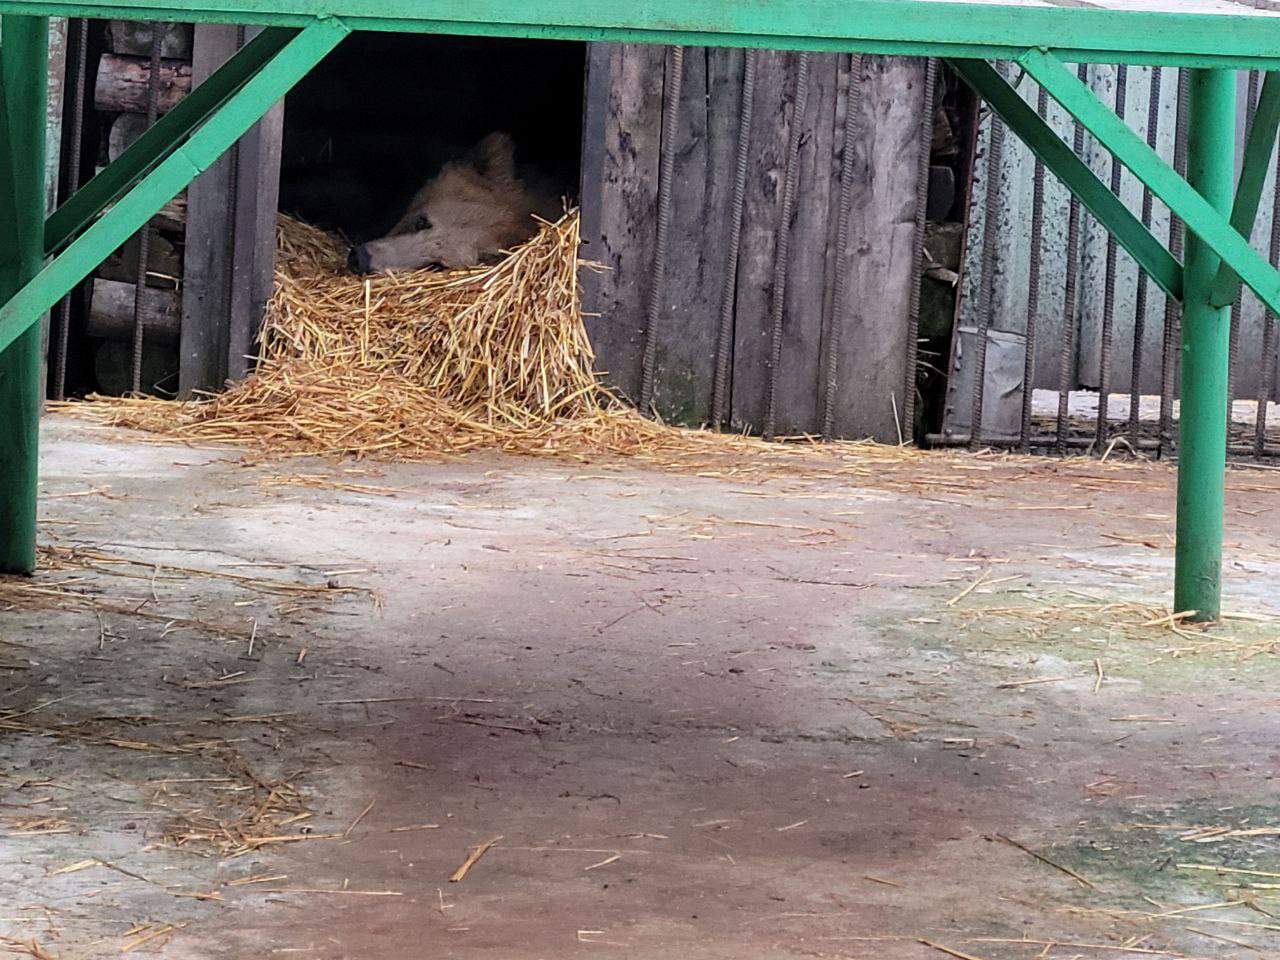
(73, 318)
(1061, 341)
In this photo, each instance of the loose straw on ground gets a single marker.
(423, 365)
(476, 853)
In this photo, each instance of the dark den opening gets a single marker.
(384, 111)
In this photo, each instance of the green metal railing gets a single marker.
(1218, 258)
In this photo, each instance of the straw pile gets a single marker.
(422, 365)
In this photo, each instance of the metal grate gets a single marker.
(114, 333)
(1061, 342)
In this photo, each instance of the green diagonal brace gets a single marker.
(1058, 156)
(170, 176)
(1197, 213)
(1253, 175)
(170, 130)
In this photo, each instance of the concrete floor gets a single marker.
(707, 718)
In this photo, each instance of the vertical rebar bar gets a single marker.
(1109, 281)
(1140, 301)
(666, 168)
(1172, 333)
(1033, 285)
(1266, 383)
(144, 235)
(729, 292)
(1237, 307)
(1066, 359)
(844, 211)
(986, 283)
(75, 146)
(782, 250)
(924, 160)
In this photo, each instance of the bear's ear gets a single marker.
(495, 157)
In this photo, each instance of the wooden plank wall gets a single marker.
(118, 85)
(230, 245)
(623, 131)
(618, 195)
(874, 346)
(206, 288)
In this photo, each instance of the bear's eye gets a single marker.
(422, 223)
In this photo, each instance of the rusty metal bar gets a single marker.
(1237, 305)
(924, 160)
(1267, 374)
(144, 235)
(844, 211)
(666, 172)
(1066, 357)
(729, 292)
(782, 250)
(1144, 281)
(1033, 283)
(75, 146)
(1173, 310)
(986, 283)
(1109, 281)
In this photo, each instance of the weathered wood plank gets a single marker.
(125, 129)
(164, 263)
(121, 83)
(230, 242)
(621, 150)
(113, 367)
(206, 290)
(798, 392)
(706, 138)
(134, 37)
(257, 197)
(873, 347)
(775, 90)
(622, 131)
(111, 312)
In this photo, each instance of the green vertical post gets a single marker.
(1202, 446)
(24, 51)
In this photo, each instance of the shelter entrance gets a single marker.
(379, 116)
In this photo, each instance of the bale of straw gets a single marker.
(422, 365)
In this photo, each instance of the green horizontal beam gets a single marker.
(971, 30)
(1131, 150)
(1096, 196)
(1253, 175)
(159, 140)
(241, 111)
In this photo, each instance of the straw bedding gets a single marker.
(423, 365)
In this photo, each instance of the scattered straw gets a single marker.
(27, 826)
(146, 933)
(26, 948)
(422, 365)
(239, 821)
(1061, 616)
(1045, 860)
(472, 858)
(63, 584)
(1215, 868)
(949, 951)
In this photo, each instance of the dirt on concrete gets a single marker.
(269, 709)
